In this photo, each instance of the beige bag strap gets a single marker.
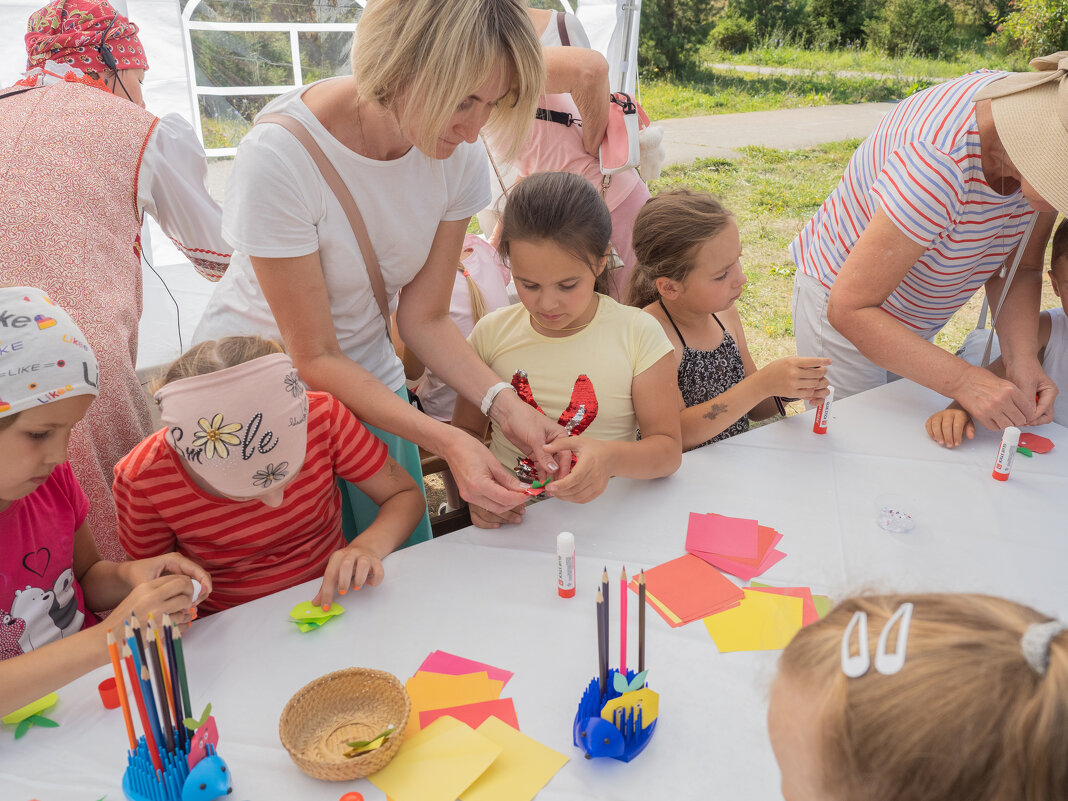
(348, 203)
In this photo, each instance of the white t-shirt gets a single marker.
(279, 206)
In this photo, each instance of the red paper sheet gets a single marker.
(690, 588)
(452, 665)
(1036, 443)
(749, 568)
(729, 536)
(474, 714)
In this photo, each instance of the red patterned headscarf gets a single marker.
(70, 31)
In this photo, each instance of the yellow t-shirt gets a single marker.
(618, 344)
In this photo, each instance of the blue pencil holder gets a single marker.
(622, 739)
(208, 780)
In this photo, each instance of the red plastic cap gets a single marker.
(109, 693)
(1000, 476)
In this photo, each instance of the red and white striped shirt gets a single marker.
(922, 167)
(249, 548)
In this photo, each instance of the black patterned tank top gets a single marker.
(704, 374)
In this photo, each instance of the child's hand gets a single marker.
(802, 377)
(168, 594)
(484, 518)
(588, 477)
(142, 570)
(947, 426)
(351, 566)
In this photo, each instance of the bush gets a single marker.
(1036, 27)
(839, 22)
(773, 16)
(733, 34)
(917, 27)
(671, 33)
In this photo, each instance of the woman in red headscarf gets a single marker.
(81, 162)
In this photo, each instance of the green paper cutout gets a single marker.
(358, 747)
(193, 724)
(541, 484)
(621, 685)
(1020, 449)
(823, 605)
(306, 612)
(22, 728)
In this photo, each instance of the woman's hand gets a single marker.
(143, 570)
(1034, 383)
(481, 479)
(949, 426)
(484, 518)
(531, 432)
(351, 566)
(993, 402)
(591, 472)
(802, 377)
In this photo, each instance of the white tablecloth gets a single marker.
(491, 596)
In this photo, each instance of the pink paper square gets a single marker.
(729, 536)
(452, 665)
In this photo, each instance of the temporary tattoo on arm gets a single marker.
(714, 411)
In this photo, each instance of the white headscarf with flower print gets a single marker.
(242, 431)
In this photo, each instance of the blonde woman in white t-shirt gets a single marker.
(403, 134)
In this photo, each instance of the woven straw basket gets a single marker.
(340, 707)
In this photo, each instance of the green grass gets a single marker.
(772, 194)
(866, 60)
(708, 91)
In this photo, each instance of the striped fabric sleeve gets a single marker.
(358, 454)
(921, 189)
(142, 531)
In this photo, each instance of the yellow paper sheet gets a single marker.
(437, 691)
(523, 767)
(762, 622)
(437, 764)
(646, 698)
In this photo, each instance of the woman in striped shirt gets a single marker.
(930, 208)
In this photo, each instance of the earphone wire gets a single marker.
(109, 58)
(177, 308)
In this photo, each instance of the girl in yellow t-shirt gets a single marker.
(600, 369)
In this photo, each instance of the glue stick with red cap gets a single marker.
(565, 564)
(1009, 440)
(823, 413)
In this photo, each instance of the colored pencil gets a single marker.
(623, 622)
(120, 686)
(165, 674)
(135, 687)
(172, 668)
(601, 671)
(179, 660)
(145, 680)
(641, 621)
(157, 671)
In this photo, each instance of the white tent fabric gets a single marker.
(164, 330)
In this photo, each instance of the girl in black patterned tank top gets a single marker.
(688, 277)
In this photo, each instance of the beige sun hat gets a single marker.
(1030, 112)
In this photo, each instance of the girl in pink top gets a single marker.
(51, 577)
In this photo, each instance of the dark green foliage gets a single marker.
(671, 33)
(1036, 27)
(920, 27)
(781, 18)
(839, 22)
(733, 34)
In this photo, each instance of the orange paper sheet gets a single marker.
(689, 589)
(439, 690)
(474, 715)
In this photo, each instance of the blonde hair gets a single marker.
(436, 52)
(966, 718)
(668, 231)
(217, 354)
(478, 303)
(562, 208)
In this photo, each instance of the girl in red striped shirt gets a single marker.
(243, 479)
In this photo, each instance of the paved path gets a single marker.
(719, 135)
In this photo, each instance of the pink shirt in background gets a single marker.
(40, 601)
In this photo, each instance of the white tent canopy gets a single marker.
(170, 87)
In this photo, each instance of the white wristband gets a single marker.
(492, 393)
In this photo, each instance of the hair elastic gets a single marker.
(1036, 641)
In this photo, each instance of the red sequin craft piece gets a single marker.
(581, 411)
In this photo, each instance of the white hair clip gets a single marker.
(1036, 641)
(888, 664)
(856, 666)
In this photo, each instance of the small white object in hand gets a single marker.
(196, 589)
